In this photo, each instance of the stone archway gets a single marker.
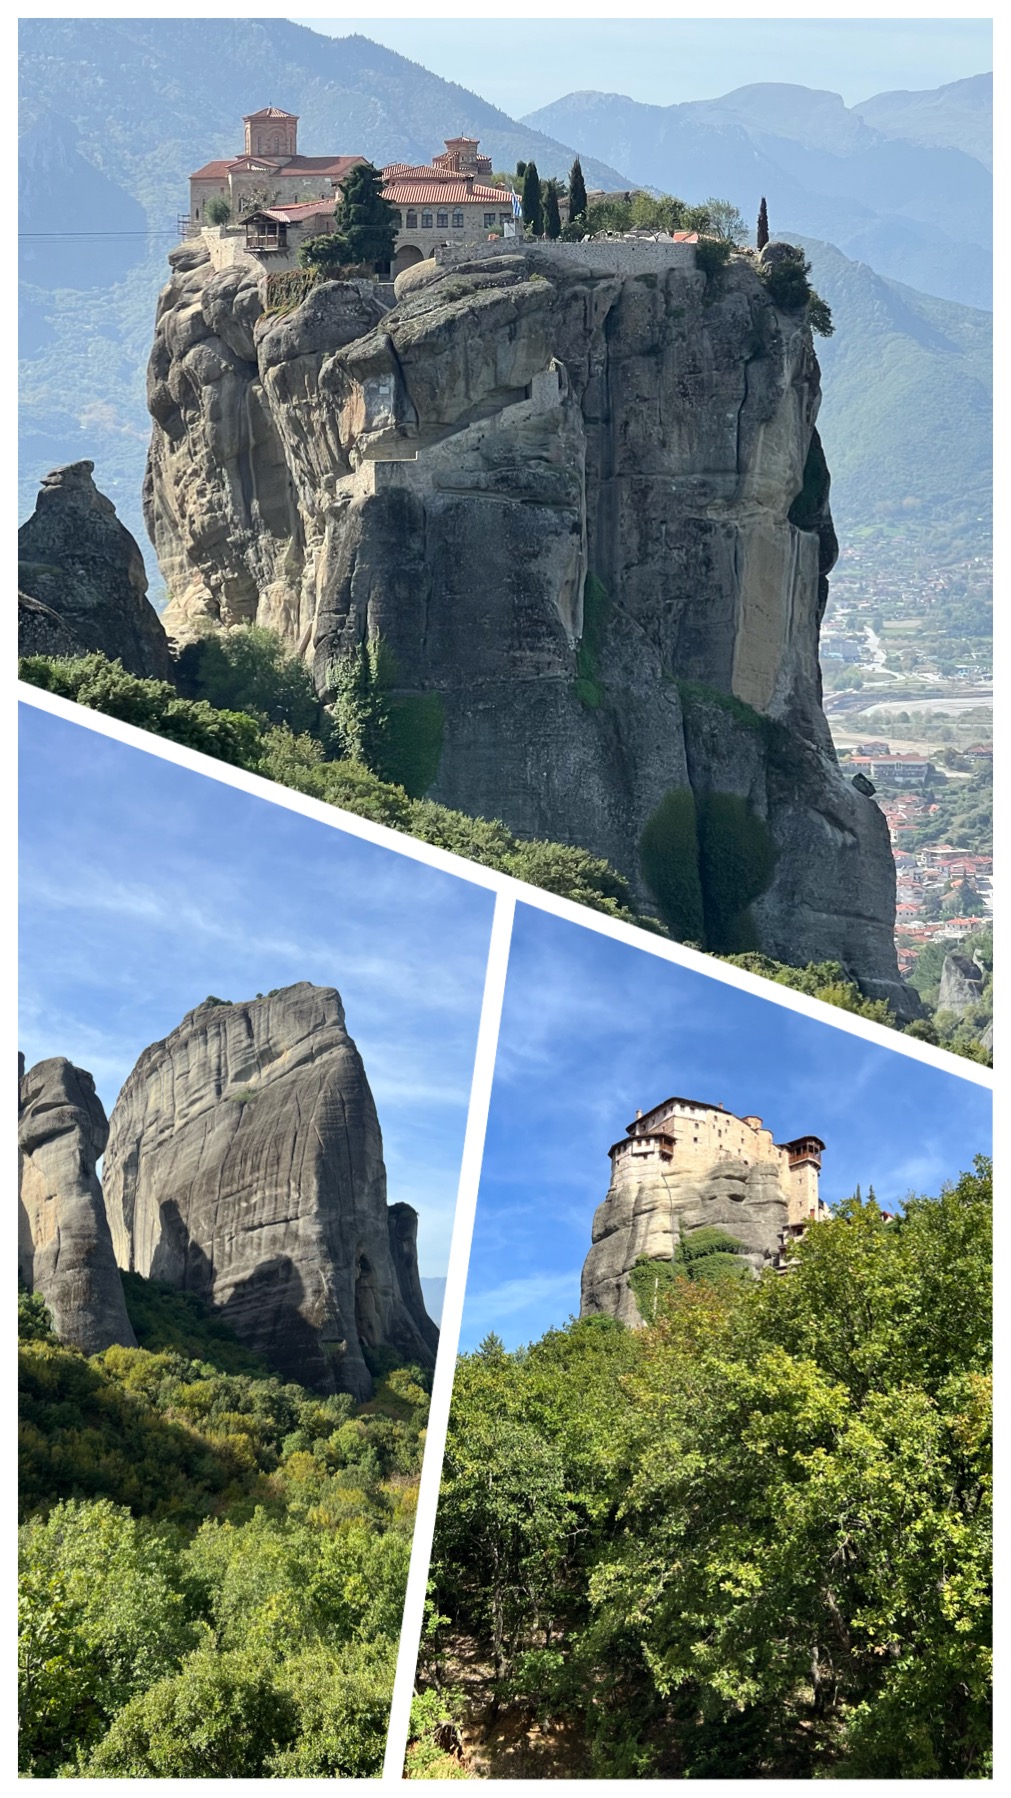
(407, 255)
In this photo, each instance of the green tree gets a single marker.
(222, 1716)
(365, 220)
(756, 1540)
(326, 253)
(725, 221)
(552, 216)
(577, 191)
(218, 210)
(762, 231)
(100, 1618)
(533, 208)
(249, 669)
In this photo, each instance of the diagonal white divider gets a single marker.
(449, 1334)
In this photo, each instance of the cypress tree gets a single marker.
(762, 234)
(364, 219)
(577, 191)
(552, 216)
(533, 210)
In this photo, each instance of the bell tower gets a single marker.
(271, 132)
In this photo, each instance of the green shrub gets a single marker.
(149, 704)
(819, 315)
(669, 859)
(825, 980)
(249, 669)
(790, 290)
(35, 1322)
(325, 253)
(712, 1255)
(650, 1280)
(736, 861)
(166, 1320)
(711, 256)
(217, 211)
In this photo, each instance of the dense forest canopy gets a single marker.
(212, 1562)
(751, 1540)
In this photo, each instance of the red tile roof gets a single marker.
(269, 112)
(336, 167)
(420, 187)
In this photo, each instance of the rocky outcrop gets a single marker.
(42, 632)
(647, 1213)
(578, 490)
(64, 1245)
(961, 984)
(245, 1164)
(83, 566)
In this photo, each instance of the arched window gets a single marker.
(412, 221)
(458, 221)
(442, 220)
(426, 221)
(400, 220)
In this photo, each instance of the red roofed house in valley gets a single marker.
(287, 197)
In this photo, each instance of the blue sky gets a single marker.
(592, 1030)
(520, 65)
(145, 887)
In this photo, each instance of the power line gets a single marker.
(67, 236)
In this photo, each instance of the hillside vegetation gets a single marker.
(751, 1540)
(212, 1563)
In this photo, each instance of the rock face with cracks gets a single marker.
(646, 1215)
(447, 475)
(64, 1245)
(81, 564)
(245, 1164)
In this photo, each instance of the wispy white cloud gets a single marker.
(491, 1308)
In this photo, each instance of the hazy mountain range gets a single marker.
(917, 207)
(115, 113)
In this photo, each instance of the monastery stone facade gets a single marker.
(686, 1165)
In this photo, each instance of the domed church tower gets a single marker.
(271, 132)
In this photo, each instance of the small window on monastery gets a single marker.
(400, 220)
(426, 221)
(442, 220)
(504, 218)
(489, 221)
(458, 221)
(412, 221)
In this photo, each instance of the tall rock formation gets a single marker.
(685, 1166)
(64, 1245)
(82, 564)
(578, 491)
(961, 985)
(245, 1164)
